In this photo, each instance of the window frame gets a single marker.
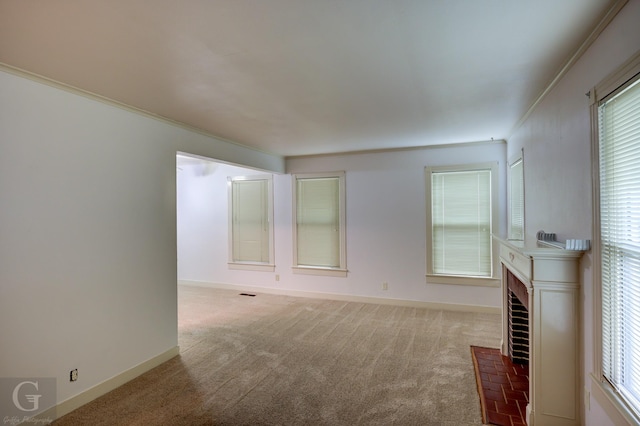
(513, 161)
(268, 266)
(488, 281)
(341, 270)
(604, 393)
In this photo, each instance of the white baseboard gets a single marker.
(77, 401)
(347, 297)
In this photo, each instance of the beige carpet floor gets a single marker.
(279, 360)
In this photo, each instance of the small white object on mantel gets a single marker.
(583, 245)
(549, 239)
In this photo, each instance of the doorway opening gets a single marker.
(202, 221)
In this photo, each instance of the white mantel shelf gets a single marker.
(551, 277)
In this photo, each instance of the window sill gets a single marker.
(463, 280)
(248, 266)
(311, 270)
(611, 403)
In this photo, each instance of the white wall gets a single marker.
(386, 227)
(88, 233)
(556, 141)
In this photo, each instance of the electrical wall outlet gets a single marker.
(73, 375)
(385, 286)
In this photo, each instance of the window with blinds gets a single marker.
(319, 222)
(250, 213)
(460, 220)
(516, 199)
(619, 245)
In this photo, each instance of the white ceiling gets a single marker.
(297, 77)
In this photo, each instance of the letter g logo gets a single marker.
(34, 399)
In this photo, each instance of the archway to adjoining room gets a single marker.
(202, 222)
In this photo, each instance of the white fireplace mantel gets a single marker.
(551, 277)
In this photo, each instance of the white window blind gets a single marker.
(250, 221)
(619, 152)
(319, 221)
(461, 223)
(516, 200)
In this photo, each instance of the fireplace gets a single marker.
(540, 326)
(518, 319)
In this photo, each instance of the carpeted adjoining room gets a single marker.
(271, 359)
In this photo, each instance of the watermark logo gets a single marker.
(34, 399)
(22, 399)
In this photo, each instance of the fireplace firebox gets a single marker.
(518, 319)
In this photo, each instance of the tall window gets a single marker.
(251, 223)
(618, 236)
(460, 219)
(516, 198)
(319, 216)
